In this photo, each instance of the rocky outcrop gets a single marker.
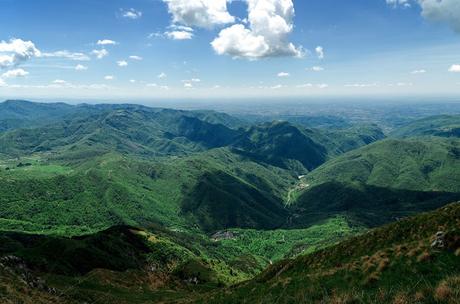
(18, 267)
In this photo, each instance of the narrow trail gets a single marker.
(299, 186)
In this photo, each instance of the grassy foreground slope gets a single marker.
(416, 260)
(129, 265)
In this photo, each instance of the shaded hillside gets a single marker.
(283, 145)
(381, 182)
(443, 126)
(366, 205)
(416, 260)
(221, 201)
(115, 249)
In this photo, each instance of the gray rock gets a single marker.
(439, 240)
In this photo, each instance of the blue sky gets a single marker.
(217, 48)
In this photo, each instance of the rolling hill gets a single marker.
(133, 131)
(443, 126)
(19, 113)
(382, 182)
(280, 143)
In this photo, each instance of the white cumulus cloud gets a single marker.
(15, 73)
(162, 75)
(395, 3)
(100, 53)
(305, 85)
(80, 67)
(422, 71)
(122, 63)
(178, 32)
(199, 13)
(131, 13)
(59, 81)
(106, 42)
(196, 80)
(134, 57)
(270, 22)
(319, 52)
(455, 68)
(179, 35)
(316, 69)
(109, 77)
(66, 55)
(283, 74)
(16, 51)
(445, 11)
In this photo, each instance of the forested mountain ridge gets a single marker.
(223, 197)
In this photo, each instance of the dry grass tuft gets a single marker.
(343, 299)
(383, 264)
(372, 278)
(399, 250)
(457, 252)
(401, 298)
(419, 296)
(448, 291)
(424, 257)
(442, 292)
(368, 265)
(413, 252)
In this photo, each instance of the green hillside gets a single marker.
(430, 164)
(347, 139)
(443, 126)
(382, 182)
(140, 132)
(281, 144)
(113, 189)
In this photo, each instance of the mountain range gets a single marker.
(129, 204)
